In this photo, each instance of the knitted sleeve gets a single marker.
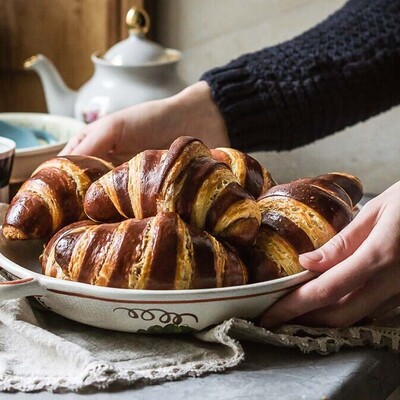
(344, 70)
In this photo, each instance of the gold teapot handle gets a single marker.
(138, 20)
(28, 63)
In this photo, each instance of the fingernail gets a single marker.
(313, 256)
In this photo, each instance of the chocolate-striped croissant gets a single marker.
(298, 217)
(185, 179)
(249, 172)
(160, 252)
(52, 197)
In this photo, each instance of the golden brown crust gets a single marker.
(349, 183)
(249, 172)
(185, 179)
(298, 217)
(160, 252)
(52, 197)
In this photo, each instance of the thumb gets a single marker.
(341, 246)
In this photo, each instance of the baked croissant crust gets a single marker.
(249, 172)
(299, 217)
(184, 179)
(52, 197)
(160, 252)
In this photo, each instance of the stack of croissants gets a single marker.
(183, 218)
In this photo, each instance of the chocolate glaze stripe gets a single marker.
(120, 180)
(93, 167)
(149, 170)
(64, 249)
(197, 172)
(164, 253)
(231, 194)
(322, 202)
(314, 224)
(127, 243)
(59, 192)
(236, 162)
(177, 149)
(64, 244)
(330, 187)
(99, 240)
(234, 273)
(288, 230)
(261, 267)
(254, 176)
(98, 204)
(204, 264)
(107, 204)
(266, 265)
(75, 264)
(350, 184)
(20, 217)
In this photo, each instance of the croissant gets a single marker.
(185, 179)
(160, 252)
(298, 217)
(249, 172)
(52, 197)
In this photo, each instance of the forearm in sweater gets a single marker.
(342, 71)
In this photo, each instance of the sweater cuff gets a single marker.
(247, 111)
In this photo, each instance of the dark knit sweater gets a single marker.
(344, 70)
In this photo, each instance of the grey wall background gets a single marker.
(212, 32)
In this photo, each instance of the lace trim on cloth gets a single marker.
(321, 340)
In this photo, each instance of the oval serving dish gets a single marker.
(130, 310)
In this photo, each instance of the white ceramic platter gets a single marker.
(129, 310)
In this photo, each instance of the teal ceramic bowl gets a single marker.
(40, 137)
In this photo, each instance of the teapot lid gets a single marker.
(136, 49)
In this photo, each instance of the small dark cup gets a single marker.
(7, 152)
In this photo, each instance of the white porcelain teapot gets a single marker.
(133, 71)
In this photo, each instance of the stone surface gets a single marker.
(274, 373)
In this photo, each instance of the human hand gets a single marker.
(153, 125)
(360, 271)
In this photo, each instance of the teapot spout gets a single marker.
(60, 99)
